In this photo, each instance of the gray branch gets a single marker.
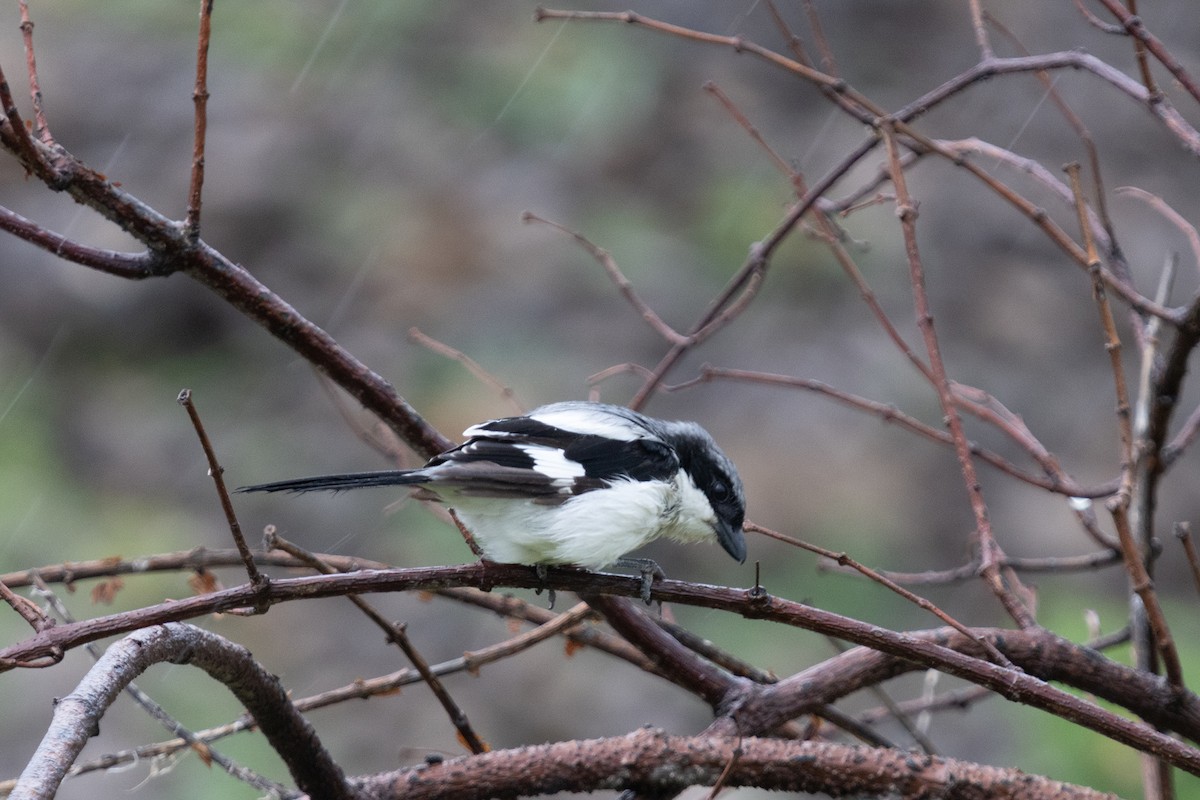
(77, 716)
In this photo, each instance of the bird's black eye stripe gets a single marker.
(719, 486)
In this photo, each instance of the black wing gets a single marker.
(516, 457)
(533, 458)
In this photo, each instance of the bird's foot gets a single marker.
(542, 571)
(649, 570)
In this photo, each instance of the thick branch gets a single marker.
(1039, 653)
(654, 763)
(77, 716)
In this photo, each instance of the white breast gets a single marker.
(591, 530)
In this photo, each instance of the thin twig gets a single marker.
(960, 699)
(844, 559)
(1096, 22)
(742, 120)
(1172, 216)
(200, 122)
(42, 129)
(1133, 462)
(990, 550)
(1139, 52)
(1051, 564)
(1183, 532)
(1056, 480)
(793, 41)
(257, 579)
(828, 62)
(904, 720)
(25, 608)
(396, 633)
(22, 145)
(1143, 586)
(628, 368)
(735, 755)
(472, 366)
(738, 43)
(605, 260)
(981, 35)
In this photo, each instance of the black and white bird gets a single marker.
(574, 483)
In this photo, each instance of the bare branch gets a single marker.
(77, 715)
(200, 95)
(472, 366)
(398, 635)
(216, 472)
(652, 762)
(990, 550)
(42, 129)
(1137, 29)
(845, 560)
(605, 260)
(715, 685)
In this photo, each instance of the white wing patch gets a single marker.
(551, 462)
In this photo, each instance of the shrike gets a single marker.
(574, 483)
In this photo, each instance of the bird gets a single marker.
(574, 483)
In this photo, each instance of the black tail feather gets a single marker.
(338, 483)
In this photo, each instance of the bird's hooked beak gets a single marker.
(731, 539)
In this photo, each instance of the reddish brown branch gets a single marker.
(1137, 29)
(752, 603)
(42, 129)
(217, 473)
(749, 276)
(472, 366)
(844, 560)
(396, 634)
(990, 550)
(200, 96)
(1137, 462)
(124, 265)
(26, 609)
(623, 284)
(1039, 653)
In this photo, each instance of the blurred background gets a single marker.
(370, 161)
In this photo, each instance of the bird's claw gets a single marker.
(542, 571)
(649, 571)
